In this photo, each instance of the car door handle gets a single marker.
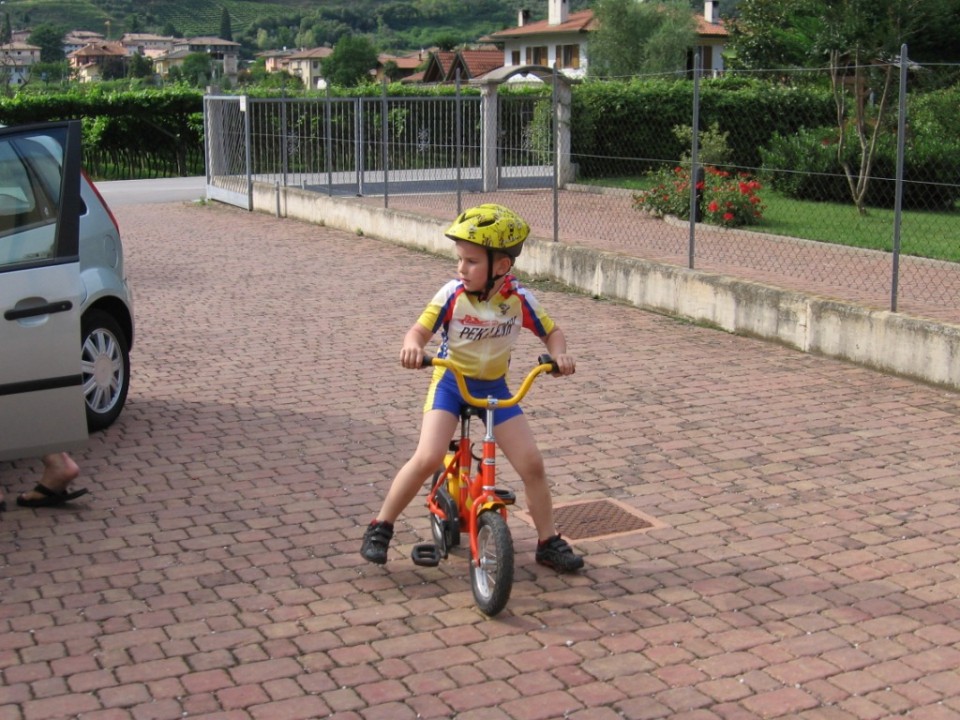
(49, 309)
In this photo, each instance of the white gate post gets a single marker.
(488, 148)
(565, 172)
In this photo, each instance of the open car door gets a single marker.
(41, 399)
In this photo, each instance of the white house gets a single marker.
(308, 65)
(15, 61)
(562, 39)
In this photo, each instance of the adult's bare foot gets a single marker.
(59, 470)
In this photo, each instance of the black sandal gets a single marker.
(51, 498)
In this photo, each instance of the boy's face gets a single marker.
(472, 266)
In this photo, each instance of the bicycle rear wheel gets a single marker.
(491, 573)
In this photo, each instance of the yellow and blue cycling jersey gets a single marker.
(478, 337)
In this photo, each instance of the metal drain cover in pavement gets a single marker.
(599, 518)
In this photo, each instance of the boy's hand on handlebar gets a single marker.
(411, 357)
(566, 365)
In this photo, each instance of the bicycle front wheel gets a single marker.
(491, 572)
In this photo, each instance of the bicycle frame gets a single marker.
(475, 493)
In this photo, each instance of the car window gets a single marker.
(29, 195)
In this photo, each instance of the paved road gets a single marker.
(803, 561)
(161, 190)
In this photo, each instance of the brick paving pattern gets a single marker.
(804, 563)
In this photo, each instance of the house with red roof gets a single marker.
(443, 65)
(98, 59)
(399, 67)
(562, 39)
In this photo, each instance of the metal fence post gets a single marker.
(248, 153)
(458, 150)
(358, 134)
(555, 113)
(284, 164)
(328, 140)
(384, 141)
(694, 158)
(898, 197)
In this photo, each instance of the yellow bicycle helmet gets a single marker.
(491, 226)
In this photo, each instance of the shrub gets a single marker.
(726, 199)
(804, 166)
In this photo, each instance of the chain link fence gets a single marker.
(863, 209)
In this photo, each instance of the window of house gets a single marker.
(515, 57)
(568, 56)
(537, 55)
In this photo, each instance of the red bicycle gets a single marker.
(466, 502)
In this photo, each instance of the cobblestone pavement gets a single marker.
(803, 562)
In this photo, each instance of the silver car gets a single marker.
(67, 313)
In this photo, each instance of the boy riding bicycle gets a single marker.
(480, 316)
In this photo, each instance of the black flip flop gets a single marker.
(51, 498)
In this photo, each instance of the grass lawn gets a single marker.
(925, 234)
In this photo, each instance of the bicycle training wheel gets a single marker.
(491, 575)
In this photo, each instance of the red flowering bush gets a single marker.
(725, 199)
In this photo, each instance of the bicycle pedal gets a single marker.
(425, 554)
(507, 497)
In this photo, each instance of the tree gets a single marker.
(634, 38)
(350, 62)
(226, 32)
(49, 38)
(50, 72)
(133, 24)
(862, 40)
(859, 40)
(197, 68)
(139, 67)
(771, 34)
(6, 32)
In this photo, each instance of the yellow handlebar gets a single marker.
(546, 364)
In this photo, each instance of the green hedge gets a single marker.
(135, 134)
(627, 128)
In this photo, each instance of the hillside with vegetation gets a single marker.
(266, 24)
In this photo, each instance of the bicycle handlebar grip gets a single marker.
(545, 359)
(427, 361)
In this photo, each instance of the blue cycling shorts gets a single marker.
(445, 395)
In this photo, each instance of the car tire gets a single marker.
(105, 366)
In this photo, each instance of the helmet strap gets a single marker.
(491, 278)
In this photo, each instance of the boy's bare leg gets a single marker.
(516, 440)
(435, 434)
(438, 427)
(519, 446)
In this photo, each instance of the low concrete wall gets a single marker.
(890, 342)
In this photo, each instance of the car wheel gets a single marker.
(105, 365)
